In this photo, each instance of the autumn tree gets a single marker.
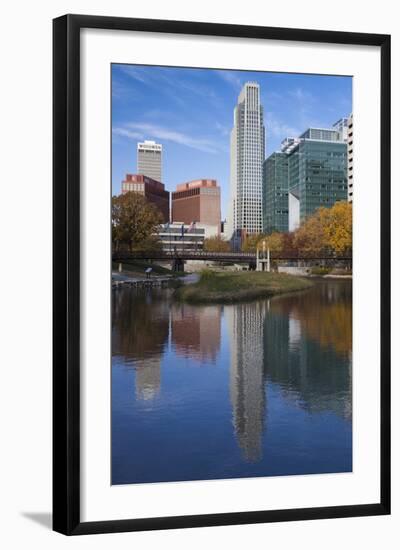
(338, 223)
(216, 244)
(251, 241)
(288, 243)
(134, 222)
(309, 239)
(327, 230)
(275, 241)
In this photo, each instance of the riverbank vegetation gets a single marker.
(326, 232)
(134, 223)
(239, 286)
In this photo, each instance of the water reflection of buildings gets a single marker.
(148, 378)
(245, 322)
(300, 344)
(140, 324)
(307, 342)
(196, 331)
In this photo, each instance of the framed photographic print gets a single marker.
(221, 274)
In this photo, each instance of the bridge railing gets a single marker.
(223, 256)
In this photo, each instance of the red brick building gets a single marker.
(198, 201)
(153, 190)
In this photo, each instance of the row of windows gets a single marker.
(133, 187)
(327, 188)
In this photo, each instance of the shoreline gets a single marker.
(239, 287)
(333, 276)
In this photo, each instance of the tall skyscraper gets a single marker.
(350, 160)
(149, 160)
(247, 157)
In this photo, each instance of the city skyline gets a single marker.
(190, 112)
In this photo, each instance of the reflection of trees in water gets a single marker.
(245, 322)
(140, 325)
(301, 342)
(325, 313)
(308, 347)
(196, 331)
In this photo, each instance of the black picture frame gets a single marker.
(66, 273)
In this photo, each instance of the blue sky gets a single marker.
(190, 111)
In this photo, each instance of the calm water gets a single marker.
(253, 389)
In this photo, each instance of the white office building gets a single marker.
(181, 237)
(149, 160)
(350, 160)
(247, 157)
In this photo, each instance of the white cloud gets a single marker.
(134, 73)
(278, 128)
(230, 78)
(123, 132)
(224, 130)
(166, 82)
(137, 130)
(301, 95)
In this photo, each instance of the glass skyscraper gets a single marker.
(317, 170)
(310, 172)
(275, 193)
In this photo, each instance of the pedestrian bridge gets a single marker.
(236, 257)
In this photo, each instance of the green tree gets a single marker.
(216, 244)
(134, 222)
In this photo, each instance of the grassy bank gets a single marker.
(240, 286)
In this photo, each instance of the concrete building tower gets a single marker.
(149, 160)
(247, 157)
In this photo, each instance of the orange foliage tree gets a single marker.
(216, 244)
(327, 230)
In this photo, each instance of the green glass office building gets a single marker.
(317, 171)
(275, 193)
(309, 172)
